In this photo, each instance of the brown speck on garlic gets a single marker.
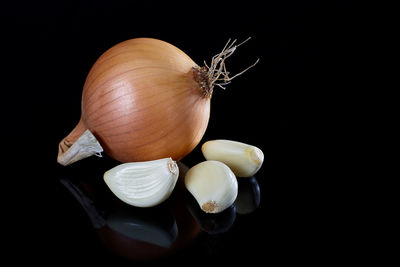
(213, 185)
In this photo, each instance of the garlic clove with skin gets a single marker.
(143, 184)
(213, 185)
(243, 159)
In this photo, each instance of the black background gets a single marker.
(286, 106)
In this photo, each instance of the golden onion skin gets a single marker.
(141, 102)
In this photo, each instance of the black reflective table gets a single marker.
(170, 231)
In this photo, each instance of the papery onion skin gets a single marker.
(141, 101)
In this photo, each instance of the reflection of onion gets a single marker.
(134, 249)
(248, 198)
(129, 248)
(161, 237)
(138, 250)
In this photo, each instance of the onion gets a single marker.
(145, 99)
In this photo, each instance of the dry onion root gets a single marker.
(144, 99)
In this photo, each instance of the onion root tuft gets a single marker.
(216, 73)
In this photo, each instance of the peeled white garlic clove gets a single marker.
(143, 184)
(243, 159)
(213, 185)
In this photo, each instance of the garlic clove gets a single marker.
(143, 184)
(243, 159)
(213, 185)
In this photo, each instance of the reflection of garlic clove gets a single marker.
(249, 196)
(212, 223)
(156, 226)
(143, 184)
(213, 185)
(243, 159)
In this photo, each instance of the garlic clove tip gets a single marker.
(210, 206)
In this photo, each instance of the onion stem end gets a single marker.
(85, 146)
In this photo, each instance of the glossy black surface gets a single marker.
(52, 214)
